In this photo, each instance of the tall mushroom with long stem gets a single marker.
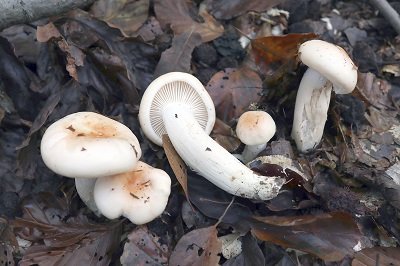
(177, 104)
(329, 67)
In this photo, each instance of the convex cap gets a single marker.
(89, 145)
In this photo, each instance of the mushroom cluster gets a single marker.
(329, 67)
(103, 157)
(177, 104)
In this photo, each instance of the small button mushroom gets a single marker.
(329, 67)
(177, 104)
(255, 129)
(86, 146)
(140, 195)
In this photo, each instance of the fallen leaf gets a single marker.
(177, 14)
(251, 254)
(143, 248)
(197, 248)
(374, 90)
(377, 256)
(279, 50)
(150, 29)
(330, 236)
(46, 32)
(177, 164)
(61, 239)
(126, 15)
(233, 90)
(223, 135)
(8, 243)
(228, 9)
(178, 57)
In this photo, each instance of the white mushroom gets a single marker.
(140, 195)
(231, 245)
(177, 104)
(255, 129)
(87, 145)
(329, 66)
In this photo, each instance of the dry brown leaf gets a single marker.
(197, 248)
(178, 57)
(330, 236)
(233, 90)
(377, 256)
(223, 135)
(143, 248)
(176, 13)
(223, 9)
(177, 164)
(126, 15)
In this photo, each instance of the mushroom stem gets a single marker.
(211, 160)
(85, 188)
(311, 108)
(251, 151)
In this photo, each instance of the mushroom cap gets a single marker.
(89, 145)
(255, 127)
(174, 88)
(140, 195)
(332, 62)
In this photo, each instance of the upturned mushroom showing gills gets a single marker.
(255, 129)
(177, 104)
(329, 67)
(89, 145)
(139, 195)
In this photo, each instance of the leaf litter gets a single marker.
(103, 60)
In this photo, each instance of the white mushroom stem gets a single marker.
(212, 161)
(311, 109)
(85, 189)
(251, 151)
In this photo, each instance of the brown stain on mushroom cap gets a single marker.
(135, 183)
(92, 127)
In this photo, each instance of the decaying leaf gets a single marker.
(177, 14)
(233, 90)
(126, 15)
(177, 164)
(8, 244)
(279, 50)
(228, 9)
(377, 256)
(198, 247)
(61, 239)
(178, 57)
(374, 90)
(223, 135)
(330, 236)
(143, 248)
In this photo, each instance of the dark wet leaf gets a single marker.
(377, 256)
(178, 57)
(213, 201)
(127, 16)
(374, 90)
(177, 14)
(144, 248)
(251, 253)
(198, 247)
(228, 9)
(224, 136)
(233, 90)
(150, 29)
(17, 81)
(330, 236)
(276, 51)
(61, 239)
(177, 164)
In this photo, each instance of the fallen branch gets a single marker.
(388, 12)
(23, 11)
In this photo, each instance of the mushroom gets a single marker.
(329, 67)
(86, 146)
(255, 129)
(177, 104)
(89, 145)
(140, 195)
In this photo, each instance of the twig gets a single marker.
(23, 11)
(388, 12)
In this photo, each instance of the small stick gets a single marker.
(388, 12)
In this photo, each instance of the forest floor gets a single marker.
(340, 204)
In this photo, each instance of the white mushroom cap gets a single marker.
(332, 62)
(176, 88)
(89, 145)
(255, 127)
(140, 195)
